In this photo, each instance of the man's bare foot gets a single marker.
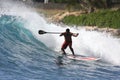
(64, 54)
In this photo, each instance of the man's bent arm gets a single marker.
(75, 34)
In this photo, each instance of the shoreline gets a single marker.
(55, 16)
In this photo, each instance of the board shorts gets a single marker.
(65, 44)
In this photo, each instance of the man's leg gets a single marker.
(64, 53)
(64, 46)
(72, 51)
(70, 46)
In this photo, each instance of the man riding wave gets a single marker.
(68, 41)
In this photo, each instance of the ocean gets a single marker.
(26, 55)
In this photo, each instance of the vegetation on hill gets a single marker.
(84, 4)
(104, 18)
(101, 18)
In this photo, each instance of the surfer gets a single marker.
(68, 40)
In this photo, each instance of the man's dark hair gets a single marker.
(67, 30)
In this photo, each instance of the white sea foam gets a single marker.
(90, 43)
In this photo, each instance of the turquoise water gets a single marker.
(26, 55)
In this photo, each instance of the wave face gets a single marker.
(19, 50)
(26, 55)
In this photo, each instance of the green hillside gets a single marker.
(103, 18)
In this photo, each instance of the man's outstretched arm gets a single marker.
(75, 34)
(61, 34)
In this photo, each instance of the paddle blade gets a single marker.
(41, 32)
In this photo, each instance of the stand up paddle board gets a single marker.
(83, 58)
(61, 59)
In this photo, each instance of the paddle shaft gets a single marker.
(44, 32)
(53, 32)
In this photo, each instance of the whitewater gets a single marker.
(26, 55)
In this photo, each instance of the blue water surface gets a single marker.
(23, 57)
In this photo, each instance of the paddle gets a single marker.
(44, 32)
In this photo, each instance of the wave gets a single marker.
(26, 55)
(19, 49)
(22, 28)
